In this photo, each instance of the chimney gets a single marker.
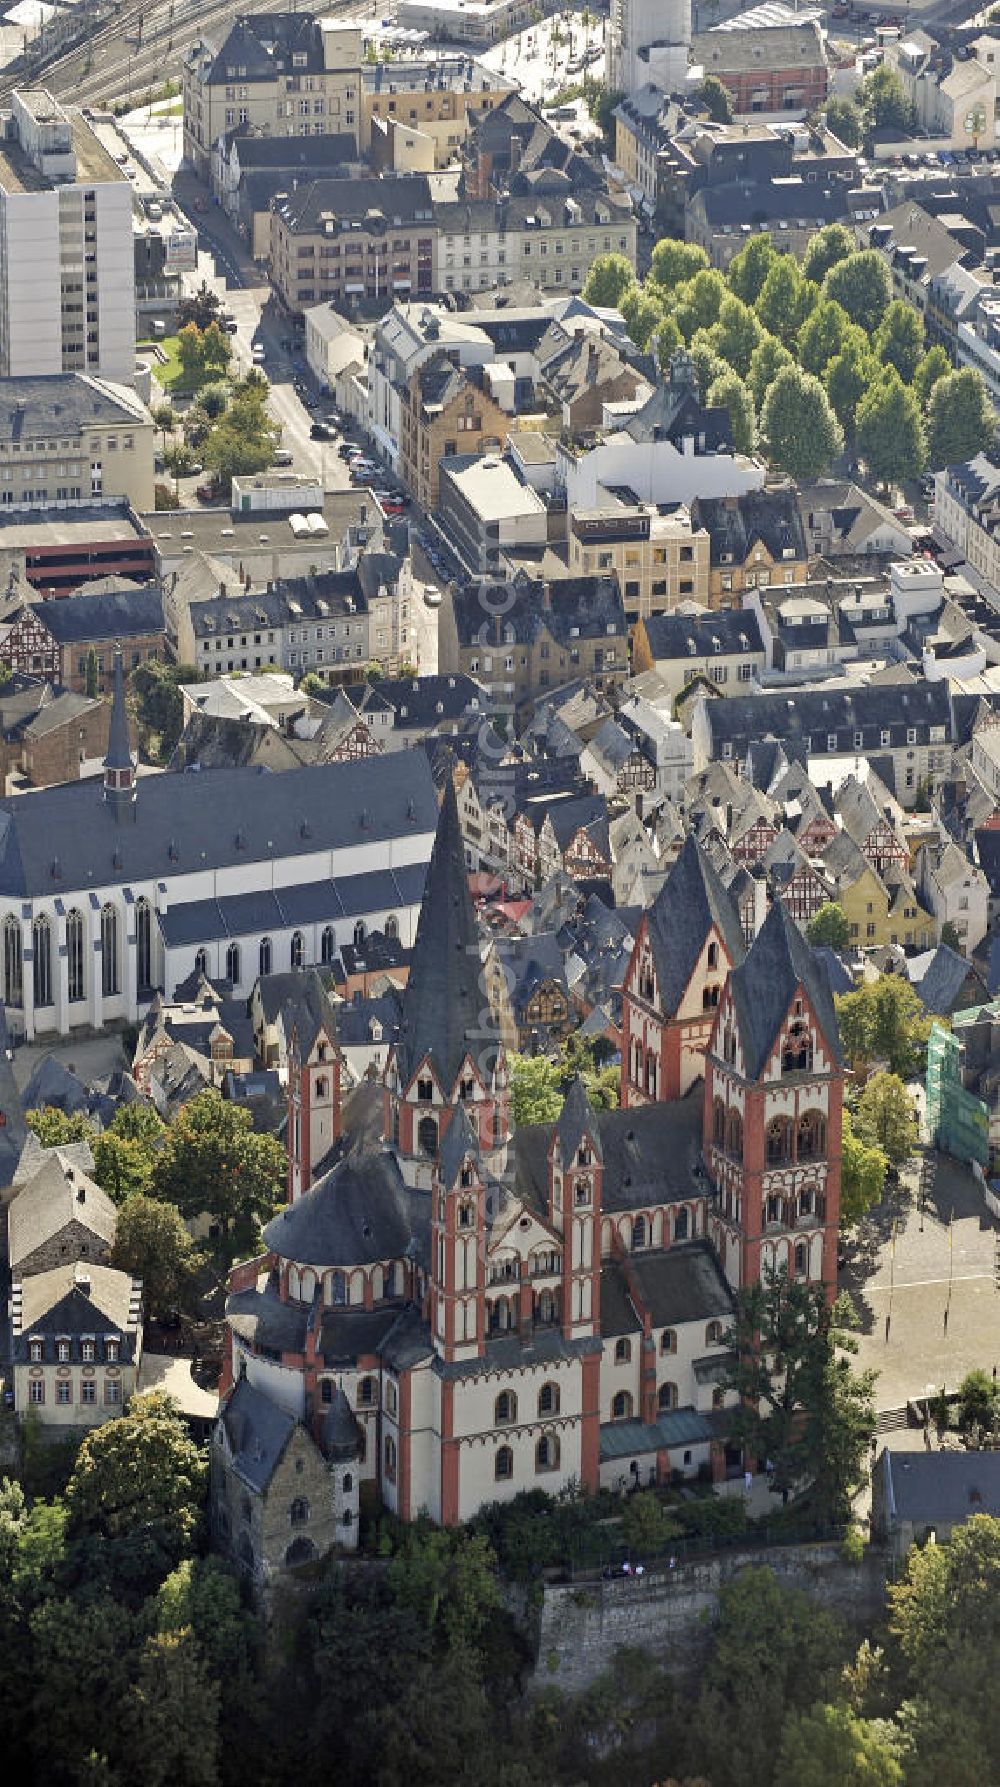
(547, 596)
(82, 1282)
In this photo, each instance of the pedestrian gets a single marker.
(626, 1568)
(640, 1569)
(673, 1562)
(748, 1480)
(769, 1468)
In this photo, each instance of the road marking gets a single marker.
(916, 1284)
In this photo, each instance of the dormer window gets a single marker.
(62, 1351)
(466, 1215)
(111, 1349)
(425, 1091)
(583, 1158)
(466, 1088)
(88, 1351)
(36, 1351)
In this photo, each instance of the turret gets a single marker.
(119, 764)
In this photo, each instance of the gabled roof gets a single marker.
(763, 986)
(691, 901)
(576, 1120)
(459, 1142)
(129, 611)
(258, 1431)
(58, 1194)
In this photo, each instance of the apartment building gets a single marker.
(446, 411)
(522, 638)
(347, 240)
(658, 554)
(73, 438)
(756, 540)
(967, 512)
(433, 95)
(67, 263)
(548, 241)
(278, 74)
(332, 623)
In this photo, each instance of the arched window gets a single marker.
(779, 1141)
(360, 934)
(709, 998)
(811, 1138)
(638, 1233)
(390, 1458)
(41, 944)
(110, 981)
(713, 1334)
(666, 1397)
(264, 958)
(621, 1406)
(74, 957)
(233, 964)
(298, 1513)
(201, 962)
(546, 1308)
(298, 949)
(392, 927)
(503, 1464)
(797, 1054)
(336, 1290)
(713, 955)
(427, 1135)
(801, 1259)
(718, 1122)
(13, 972)
(300, 1551)
(143, 943)
(623, 1351)
(548, 1399)
(734, 1134)
(681, 1225)
(322, 1086)
(547, 1453)
(505, 1409)
(668, 1340)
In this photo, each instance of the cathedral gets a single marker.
(488, 1309)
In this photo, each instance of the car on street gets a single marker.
(283, 456)
(321, 431)
(432, 597)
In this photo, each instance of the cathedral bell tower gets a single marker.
(458, 1245)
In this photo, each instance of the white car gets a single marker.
(432, 597)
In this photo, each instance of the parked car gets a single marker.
(321, 431)
(283, 456)
(207, 493)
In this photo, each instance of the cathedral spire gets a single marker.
(119, 766)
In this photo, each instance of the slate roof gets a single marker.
(358, 1213)
(727, 632)
(58, 1194)
(736, 525)
(302, 1000)
(940, 1487)
(691, 901)
(260, 1316)
(14, 1132)
(681, 1284)
(531, 608)
(37, 408)
(651, 1155)
(576, 1120)
(123, 613)
(193, 822)
(374, 203)
(56, 1302)
(459, 1142)
(763, 986)
(258, 1430)
(939, 976)
(341, 1433)
(675, 411)
(814, 715)
(443, 1003)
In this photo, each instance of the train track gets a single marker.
(140, 48)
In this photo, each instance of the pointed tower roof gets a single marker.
(763, 987)
(445, 1009)
(341, 1433)
(576, 1120)
(691, 901)
(13, 1128)
(460, 1141)
(119, 754)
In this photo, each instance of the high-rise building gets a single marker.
(67, 265)
(648, 42)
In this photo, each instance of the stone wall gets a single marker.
(670, 1613)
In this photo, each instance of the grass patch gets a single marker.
(174, 378)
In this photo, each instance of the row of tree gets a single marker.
(229, 428)
(807, 359)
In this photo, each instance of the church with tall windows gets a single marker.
(500, 1308)
(115, 889)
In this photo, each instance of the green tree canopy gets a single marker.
(935, 364)
(156, 690)
(829, 927)
(802, 433)
(782, 307)
(961, 420)
(212, 1162)
(643, 312)
(142, 1469)
(822, 336)
(766, 361)
(831, 244)
(730, 392)
(749, 269)
(673, 263)
(152, 1243)
(883, 101)
(736, 334)
(884, 1021)
(899, 341)
(885, 1119)
(609, 279)
(890, 430)
(829, 1746)
(698, 302)
(199, 308)
(862, 1175)
(666, 340)
(54, 1128)
(848, 376)
(170, 1717)
(861, 284)
(707, 363)
(844, 119)
(216, 346)
(716, 99)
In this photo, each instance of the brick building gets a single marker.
(444, 411)
(55, 639)
(766, 67)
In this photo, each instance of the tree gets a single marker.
(802, 433)
(83, 1650)
(978, 1396)
(535, 1089)
(934, 365)
(152, 1243)
(609, 279)
(707, 363)
(642, 312)
(156, 689)
(673, 263)
(143, 1469)
(178, 459)
(844, 120)
(699, 302)
(666, 341)
(213, 398)
(801, 1404)
(123, 1164)
(890, 430)
(831, 244)
(780, 304)
(191, 351)
(90, 684)
(200, 308)
(884, 1021)
(829, 1746)
(216, 347)
(171, 1715)
(749, 269)
(213, 1163)
(164, 418)
(829, 928)
(731, 393)
(55, 1129)
(884, 103)
(197, 426)
(961, 420)
(848, 376)
(863, 1169)
(602, 103)
(716, 99)
(822, 336)
(736, 334)
(900, 339)
(861, 284)
(766, 361)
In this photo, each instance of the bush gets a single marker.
(713, 1516)
(646, 1523)
(854, 1545)
(977, 1400)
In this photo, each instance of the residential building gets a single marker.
(919, 1498)
(659, 554)
(67, 284)
(671, 449)
(345, 240)
(485, 509)
(59, 1214)
(475, 22)
(278, 74)
(110, 890)
(60, 742)
(954, 97)
(73, 439)
(967, 510)
(789, 210)
(332, 346)
(755, 540)
(434, 94)
(843, 521)
(726, 647)
(547, 238)
(446, 412)
(249, 172)
(770, 59)
(956, 892)
(56, 639)
(538, 636)
(76, 1343)
(920, 250)
(590, 372)
(880, 909)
